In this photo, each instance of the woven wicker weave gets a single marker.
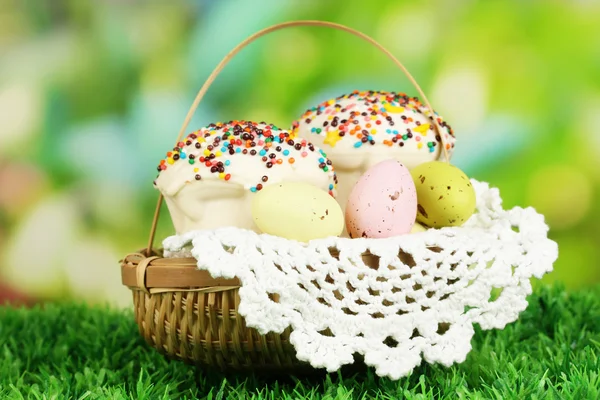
(199, 323)
(185, 313)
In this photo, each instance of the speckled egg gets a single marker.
(383, 203)
(445, 194)
(297, 211)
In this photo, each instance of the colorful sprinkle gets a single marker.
(364, 114)
(213, 145)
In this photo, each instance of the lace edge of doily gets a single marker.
(489, 205)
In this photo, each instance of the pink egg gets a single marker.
(383, 203)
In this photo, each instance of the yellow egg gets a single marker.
(297, 211)
(417, 227)
(445, 196)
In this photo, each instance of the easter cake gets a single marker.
(361, 129)
(209, 178)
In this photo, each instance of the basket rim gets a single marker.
(155, 273)
(142, 272)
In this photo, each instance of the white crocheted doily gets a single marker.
(416, 297)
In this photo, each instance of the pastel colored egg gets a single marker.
(445, 194)
(417, 227)
(383, 203)
(297, 211)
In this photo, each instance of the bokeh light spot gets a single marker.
(22, 184)
(460, 95)
(20, 113)
(562, 193)
(397, 32)
(587, 129)
(35, 255)
(297, 54)
(92, 274)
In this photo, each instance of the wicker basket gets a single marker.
(185, 313)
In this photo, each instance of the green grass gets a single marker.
(73, 351)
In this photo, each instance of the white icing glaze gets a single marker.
(221, 196)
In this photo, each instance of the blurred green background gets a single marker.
(93, 93)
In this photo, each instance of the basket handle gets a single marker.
(264, 32)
